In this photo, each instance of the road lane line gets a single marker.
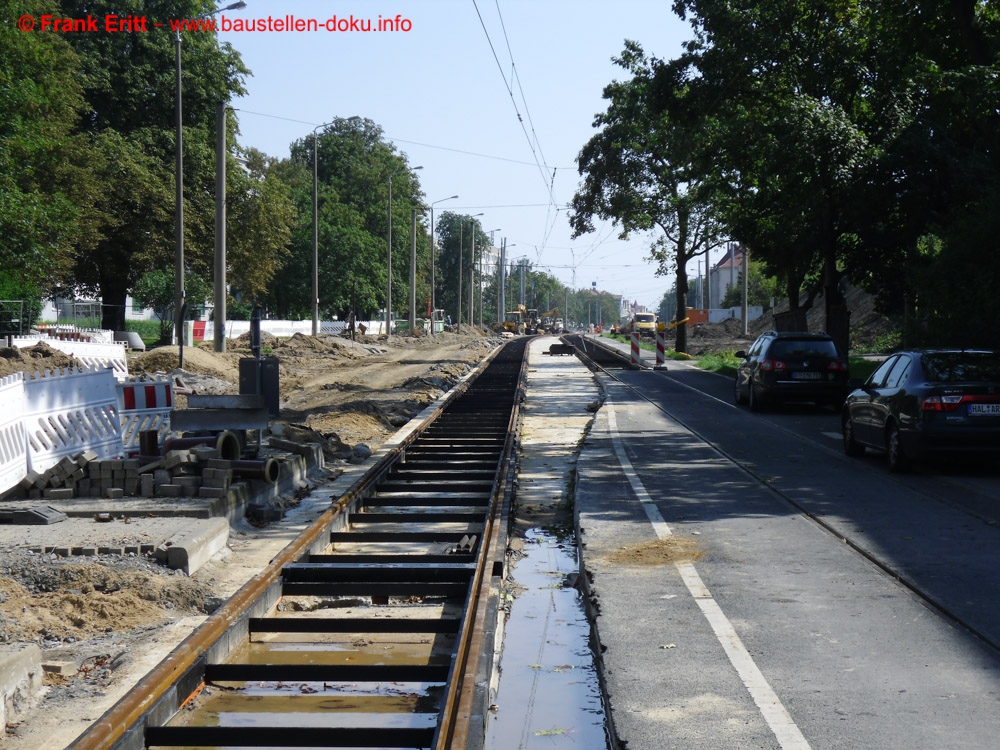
(774, 713)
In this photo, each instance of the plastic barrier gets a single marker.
(144, 405)
(661, 351)
(89, 354)
(13, 453)
(636, 356)
(68, 412)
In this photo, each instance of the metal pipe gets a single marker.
(226, 442)
(266, 469)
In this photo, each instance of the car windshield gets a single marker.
(640, 318)
(785, 348)
(954, 367)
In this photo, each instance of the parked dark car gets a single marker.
(791, 366)
(924, 402)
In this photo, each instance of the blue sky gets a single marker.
(437, 90)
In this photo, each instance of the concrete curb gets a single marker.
(20, 680)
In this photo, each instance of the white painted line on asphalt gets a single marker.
(834, 435)
(771, 708)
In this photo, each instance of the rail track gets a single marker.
(375, 627)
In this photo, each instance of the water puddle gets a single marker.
(548, 694)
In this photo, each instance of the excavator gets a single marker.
(551, 322)
(514, 322)
(532, 322)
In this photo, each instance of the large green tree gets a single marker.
(640, 170)
(128, 84)
(355, 163)
(461, 240)
(46, 182)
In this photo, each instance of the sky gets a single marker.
(493, 98)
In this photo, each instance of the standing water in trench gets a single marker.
(548, 694)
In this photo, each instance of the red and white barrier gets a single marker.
(144, 405)
(13, 456)
(661, 351)
(636, 356)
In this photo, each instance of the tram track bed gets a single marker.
(369, 597)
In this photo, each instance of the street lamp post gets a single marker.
(388, 257)
(179, 183)
(433, 301)
(315, 258)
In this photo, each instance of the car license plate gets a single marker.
(984, 410)
(806, 375)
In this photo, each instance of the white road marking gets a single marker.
(834, 435)
(770, 706)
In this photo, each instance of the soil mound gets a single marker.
(33, 359)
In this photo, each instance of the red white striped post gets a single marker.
(661, 351)
(636, 359)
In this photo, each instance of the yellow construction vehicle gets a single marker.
(514, 321)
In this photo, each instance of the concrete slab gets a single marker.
(194, 545)
(20, 680)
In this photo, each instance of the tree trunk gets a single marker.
(680, 342)
(113, 296)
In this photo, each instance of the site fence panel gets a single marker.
(13, 451)
(68, 412)
(144, 405)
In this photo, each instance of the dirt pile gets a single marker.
(37, 358)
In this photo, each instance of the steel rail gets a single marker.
(155, 697)
(458, 709)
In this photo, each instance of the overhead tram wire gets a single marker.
(510, 92)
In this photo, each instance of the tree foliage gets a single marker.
(459, 237)
(355, 162)
(129, 119)
(845, 133)
(640, 170)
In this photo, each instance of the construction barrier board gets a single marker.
(13, 451)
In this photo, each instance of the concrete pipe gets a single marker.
(226, 442)
(265, 469)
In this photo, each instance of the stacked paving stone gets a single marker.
(193, 472)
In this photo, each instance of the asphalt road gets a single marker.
(831, 605)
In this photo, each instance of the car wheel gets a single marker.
(756, 401)
(739, 392)
(898, 462)
(851, 446)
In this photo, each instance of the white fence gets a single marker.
(13, 450)
(68, 412)
(64, 413)
(88, 353)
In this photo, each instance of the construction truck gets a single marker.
(643, 323)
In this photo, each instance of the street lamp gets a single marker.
(315, 259)
(433, 301)
(179, 182)
(388, 256)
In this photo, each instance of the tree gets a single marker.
(260, 218)
(354, 165)
(128, 85)
(761, 288)
(45, 181)
(640, 171)
(456, 233)
(155, 290)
